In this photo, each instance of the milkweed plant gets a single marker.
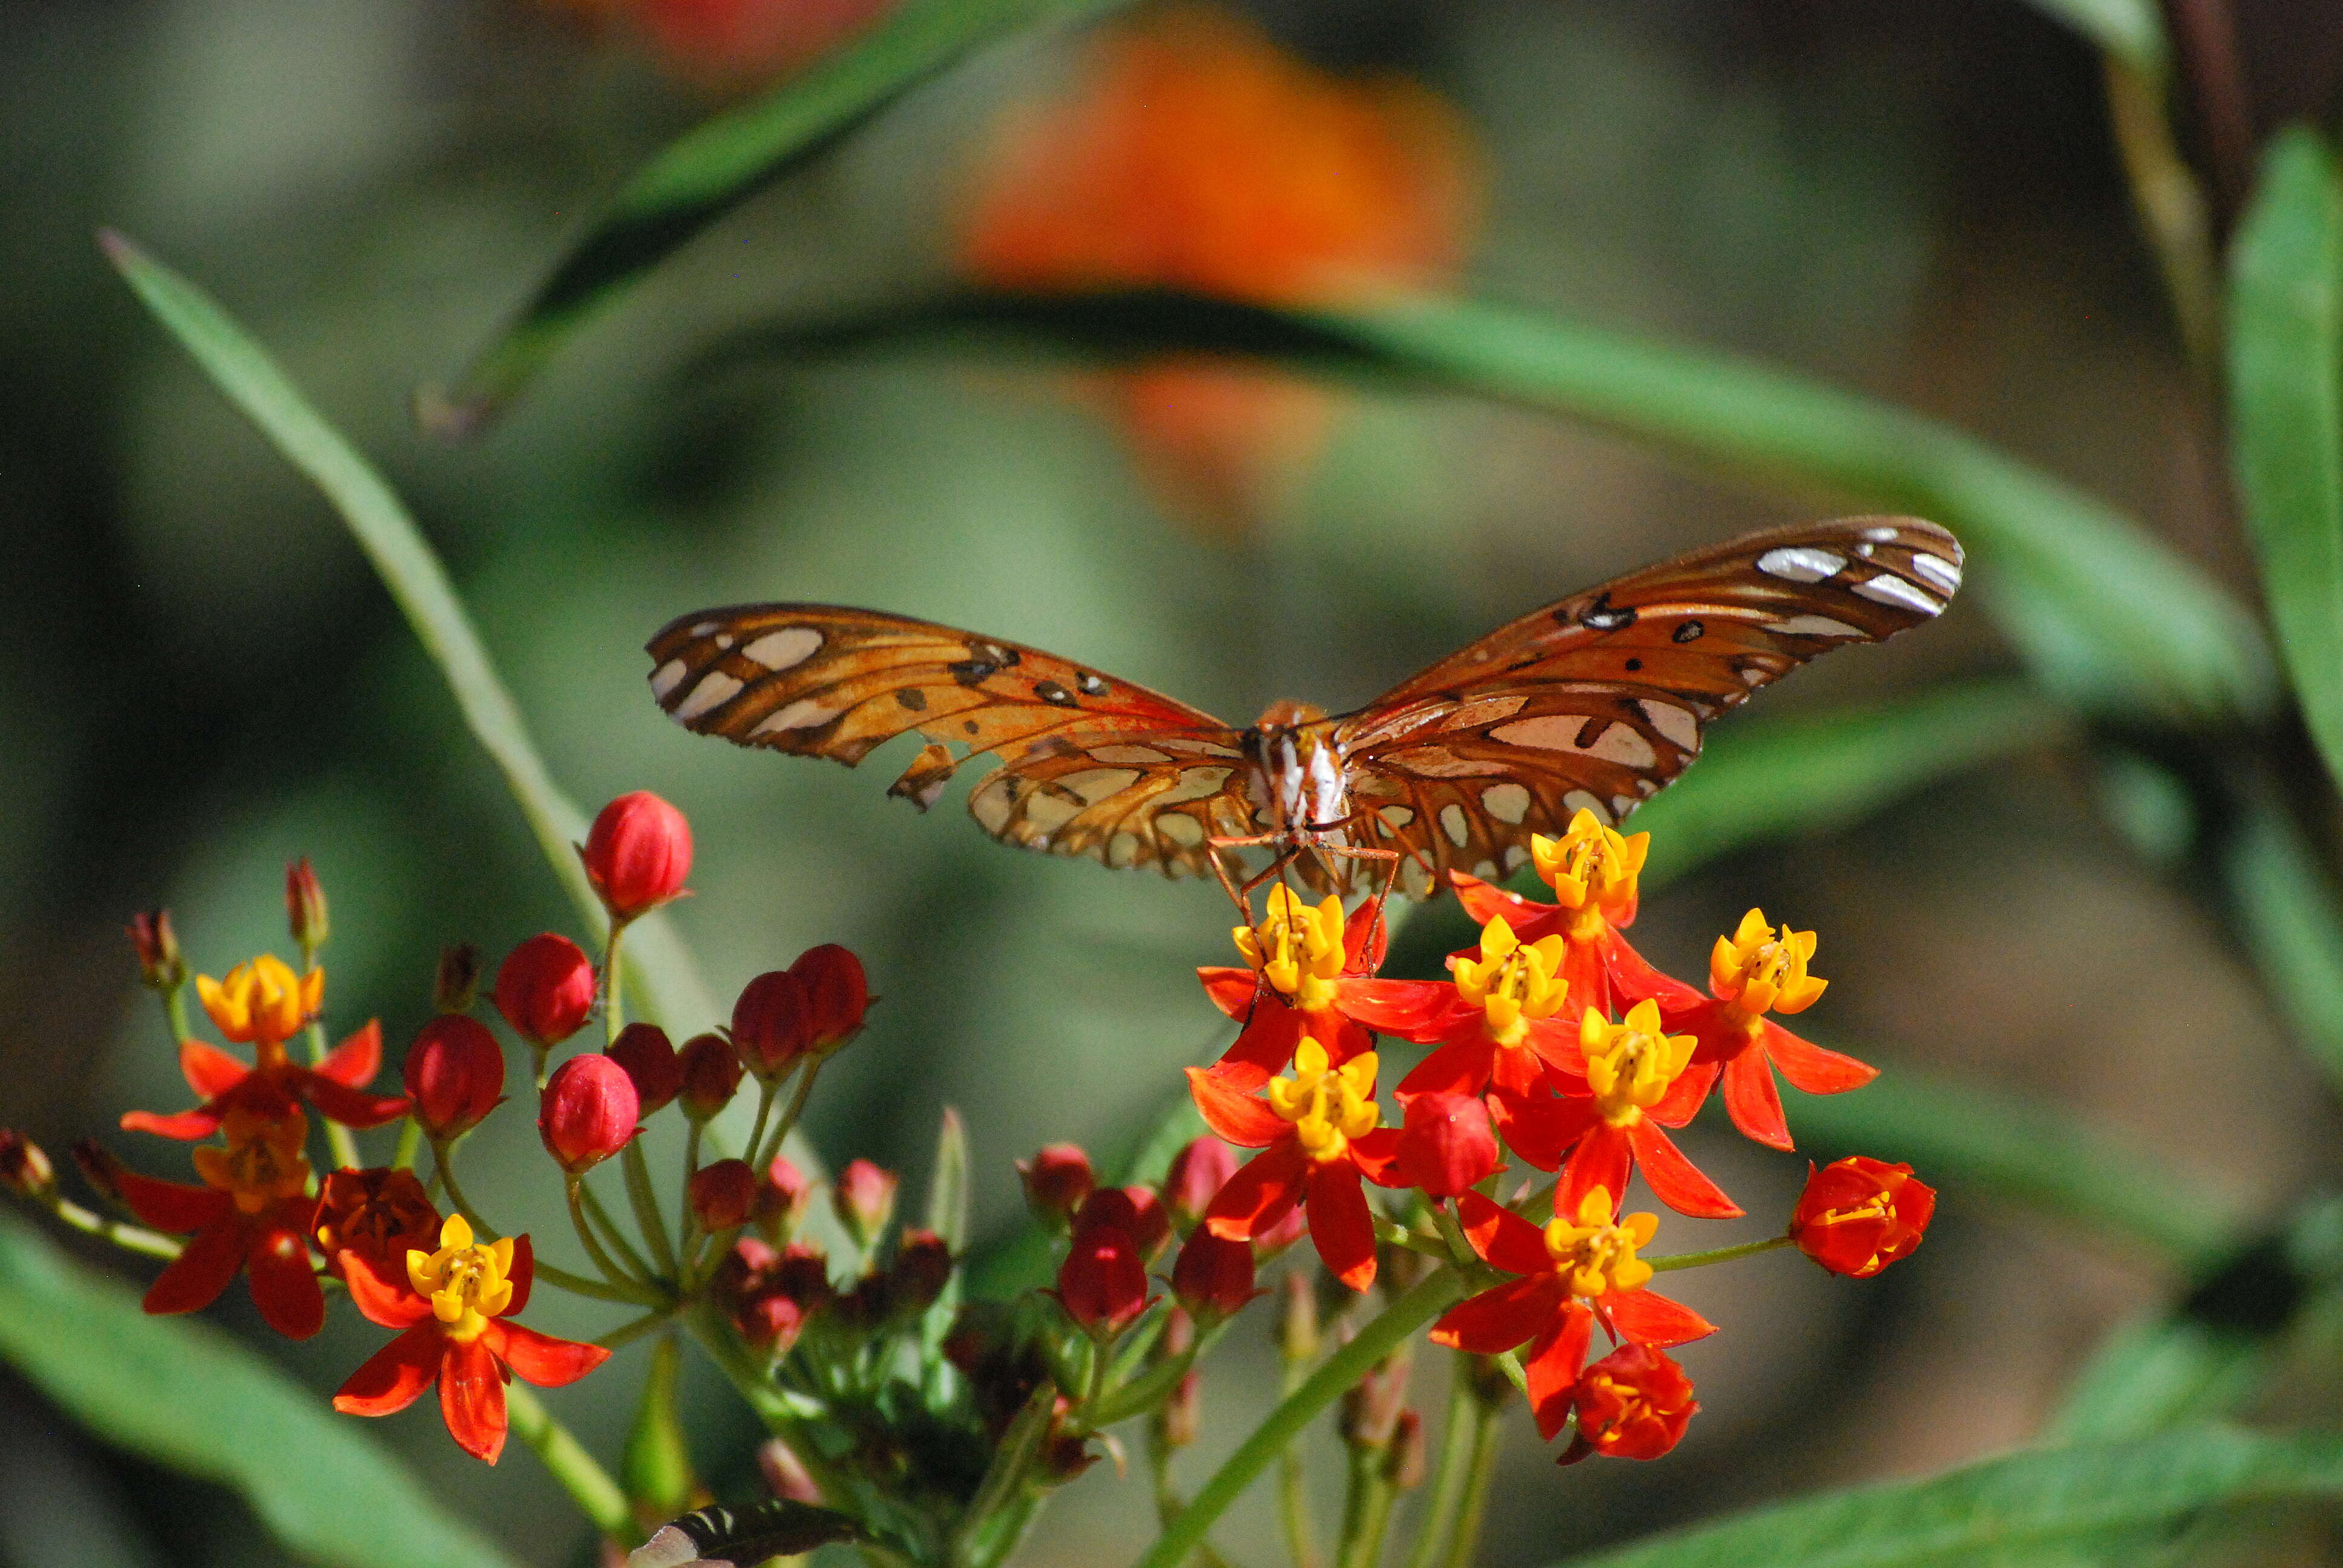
(1473, 1164)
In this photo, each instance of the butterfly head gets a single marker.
(1298, 781)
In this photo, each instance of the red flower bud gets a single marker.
(1136, 1209)
(1057, 1180)
(1103, 1283)
(99, 1168)
(782, 1198)
(772, 1321)
(921, 1268)
(455, 1075)
(864, 1198)
(785, 1473)
(1633, 1403)
(1213, 1277)
(837, 992)
(160, 966)
(1196, 1175)
(587, 1113)
(1269, 1243)
(545, 989)
(457, 985)
(1857, 1215)
(304, 905)
(1447, 1146)
(711, 1075)
(722, 1194)
(772, 1024)
(1405, 1462)
(1372, 1406)
(642, 1049)
(24, 1168)
(637, 854)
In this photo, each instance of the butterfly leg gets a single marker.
(1237, 896)
(1391, 858)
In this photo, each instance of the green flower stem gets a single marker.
(1414, 1241)
(1366, 1509)
(615, 1280)
(687, 1223)
(765, 1093)
(1456, 1432)
(566, 1459)
(410, 1143)
(128, 1237)
(1431, 1297)
(175, 1012)
(1715, 1256)
(1292, 1480)
(1480, 1472)
(759, 1161)
(626, 1334)
(745, 1368)
(645, 1202)
(614, 1016)
(443, 1162)
(636, 1267)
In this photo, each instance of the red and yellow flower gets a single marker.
(1307, 968)
(1499, 1025)
(1639, 1080)
(1572, 1274)
(1320, 1133)
(1633, 1403)
(452, 1307)
(252, 1215)
(1593, 870)
(1757, 971)
(263, 1004)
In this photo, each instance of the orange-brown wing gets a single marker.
(1089, 765)
(1597, 701)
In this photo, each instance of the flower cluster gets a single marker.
(1555, 1043)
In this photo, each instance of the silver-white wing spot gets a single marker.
(1942, 573)
(1506, 802)
(1676, 723)
(786, 648)
(1129, 756)
(1095, 784)
(1181, 828)
(1195, 784)
(715, 688)
(1485, 711)
(1547, 732)
(1397, 816)
(1801, 563)
(1439, 762)
(1122, 849)
(805, 713)
(1579, 801)
(1452, 823)
(1814, 626)
(664, 678)
(990, 802)
(1887, 589)
(1623, 744)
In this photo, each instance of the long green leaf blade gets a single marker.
(2285, 402)
(712, 168)
(2110, 615)
(658, 965)
(2031, 1507)
(183, 1395)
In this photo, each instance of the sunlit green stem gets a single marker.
(626, 1334)
(410, 1143)
(746, 1370)
(175, 1012)
(759, 1160)
(1366, 1509)
(130, 1237)
(1716, 1254)
(643, 1200)
(635, 1266)
(1482, 1469)
(687, 1223)
(615, 1279)
(766, 1090)
(566, 1459)
(614, 1016)
(1431, 1297)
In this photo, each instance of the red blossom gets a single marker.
(160, 966)
(453, 1310)
(864, 1200)
(1857, 1215)
(1633, 1403)
(1103, 1283)
(643, 1049)
(380, 1214)
(304, 905)
(1197, 1172)
(1213, 1277)
(783, 1195)
(711, 1075)
(1446, 1146)
(772, 1024)
(1310, 969)
(723, 1194)
(837, 993)
(637, 855)
(1058, 1180)
(545, 989)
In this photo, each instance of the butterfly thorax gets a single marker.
(1295, 774)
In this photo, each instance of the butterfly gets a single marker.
(1590, 704)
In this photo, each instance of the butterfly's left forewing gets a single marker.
(1089, 765)
(1597, 701)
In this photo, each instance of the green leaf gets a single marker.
(1766, 780)
(1958, 1139)
(2285, 910)
(657, 1466)
(2135, 628)
(659, 969)
(186, 1396)
(2130, 30)
(2286, 415)
(2029, 1508)
(715, 167)
(2156, 1374)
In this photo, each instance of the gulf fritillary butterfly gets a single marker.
(1592, 703)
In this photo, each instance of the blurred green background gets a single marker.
(203, 679)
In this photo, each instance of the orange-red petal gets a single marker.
(472, 1397)
(394, 1377)
(1233, 989)
(1263, 1191)
(1752, 1102)
(354, 1061)
(1503, 1316)
(174, 1206)
(541, 1359)
(1553, 1367)
(209, 1070)
(1341, 1224)
(1654, 1320)
(1674, 1180)
(391, 1303)
(194, 1279)
(1604, 1158)
(284, 1286)
(1241, 1119)
(186, 1126)
(339, 1102)
(1265, 1044)
(1501, 1237)
(1810, 1068)
(1418, 1010)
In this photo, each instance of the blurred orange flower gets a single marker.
(733, 45)
(1194, 153)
